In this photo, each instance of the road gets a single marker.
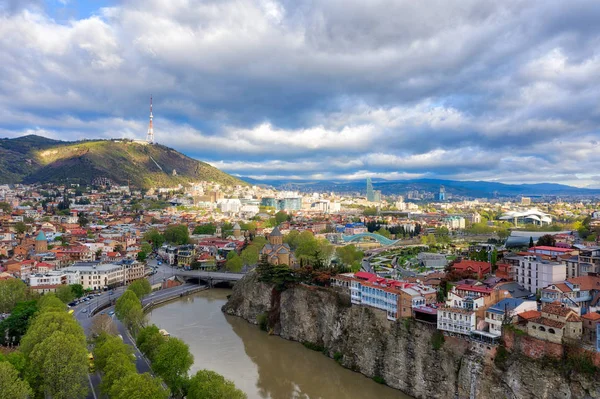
(83, 314)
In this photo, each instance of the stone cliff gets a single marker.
(401, 353)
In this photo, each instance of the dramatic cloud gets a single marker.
(325, 89)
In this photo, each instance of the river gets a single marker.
(262, 366)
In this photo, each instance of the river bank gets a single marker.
(263, 366)
(403, 353)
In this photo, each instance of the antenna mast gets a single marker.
(150, 135)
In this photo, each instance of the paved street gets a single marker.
(82, 313)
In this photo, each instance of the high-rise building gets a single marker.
(370, 191)
(442, 194)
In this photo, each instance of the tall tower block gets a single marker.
(150, 135)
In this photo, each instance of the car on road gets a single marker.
(112, 312)
(71, 304)
(159, 263)
(84, 311)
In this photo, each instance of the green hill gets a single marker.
(34, 159)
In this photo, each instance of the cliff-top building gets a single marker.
(276, 251)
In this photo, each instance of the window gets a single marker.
(542, 328)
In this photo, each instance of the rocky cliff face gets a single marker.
(402, 352)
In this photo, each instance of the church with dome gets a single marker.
(277, 252)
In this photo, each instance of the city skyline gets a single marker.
(279, 90)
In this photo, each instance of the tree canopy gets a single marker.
(12, 291)
(11, 386)
(177, 234)
(208, 229)
(172, 362)
(206, 384)
(138, 386)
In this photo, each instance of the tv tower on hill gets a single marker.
(150, 135)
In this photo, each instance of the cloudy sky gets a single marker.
(321, 89)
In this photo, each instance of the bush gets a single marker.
(337, 356)
(263, 321)
(437, 340)
(314, 347)
(501, 357)
(379, 379)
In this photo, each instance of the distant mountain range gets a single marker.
(34, 159)
(473, 189)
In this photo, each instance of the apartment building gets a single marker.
(456, 320)
(96, 276)
(396, 298)
(555, 323)
(535, 273)
(49, 281)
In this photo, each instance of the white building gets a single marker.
(534, 273)
(229, 205)
(97, 276)
(506, 311)
(456, 320)
(47, 282)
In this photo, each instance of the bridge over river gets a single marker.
(211, 277)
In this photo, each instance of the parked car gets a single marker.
(84, 311)
(71, 304)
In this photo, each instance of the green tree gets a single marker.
(250, 255)
(349, 254)
(51, 303)
(177, 234)
(20, 227)
(138, 386)
(149, 340)
(206, 384)
(65, 294)
(172, 362)
(290, 239)
(128, 309)
(60, 367)
(117, 365)
(141, 256)
(208, 229)
(5, 207)
(107, 346)
(235, 263)
(259, 242)
(12, 291)
(11, 386)
(15, 326)
(77, 290)
(428, 239)
(154, 237)
(281, 217)
(48, 322)
(384, 232)
(83, 220)
(140, 287)
(147, 248)
(531, 244)
(546, 240)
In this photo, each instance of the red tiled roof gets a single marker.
(557, 309)
(563, 287)
(530, 314)
(548, 322)
(586, 283)
(591, 316)
(364, 275)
